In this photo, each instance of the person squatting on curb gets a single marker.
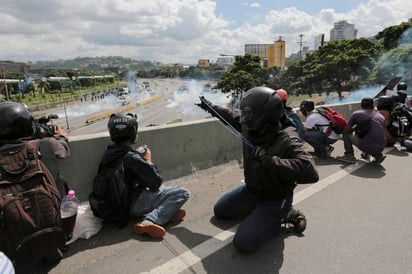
(156, 203)
(371, 144)
(272, 168)
(314, 134)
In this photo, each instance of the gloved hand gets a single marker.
(204, 104)
(259, 153)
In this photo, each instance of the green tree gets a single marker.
(395, 62)
(245, 74)
(392, 35)
(335, 66)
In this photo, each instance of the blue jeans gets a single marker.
(317, 140)
(159, 206)
(263, 217)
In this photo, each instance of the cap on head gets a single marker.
(260, 106)
(123, 127)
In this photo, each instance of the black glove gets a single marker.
(204, 104)
(259, 153)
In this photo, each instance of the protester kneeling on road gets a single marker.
(274, 163)
(370, 139)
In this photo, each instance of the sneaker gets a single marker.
(329, 149)
(297, 219)
(379, 159)
(178, 216)
(366, 156)
(347, 159)
(150, 228)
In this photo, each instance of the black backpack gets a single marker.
(30, 222)
(110, 197)
(401, 120)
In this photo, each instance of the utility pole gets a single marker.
(5, 83)
(300, 45)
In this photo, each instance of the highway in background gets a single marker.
(172, 104)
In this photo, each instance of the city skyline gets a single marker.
(176, 31)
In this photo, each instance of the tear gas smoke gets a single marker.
(187, 96)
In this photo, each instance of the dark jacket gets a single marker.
(137, 172)
(290, 163)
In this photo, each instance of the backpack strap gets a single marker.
(48, 157)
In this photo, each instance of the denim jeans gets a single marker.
(350, 139)
(161, 205)
(317, 139)
(263, 218)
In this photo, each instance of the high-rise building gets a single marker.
(271, 55)
(342, 30)
(277, 54)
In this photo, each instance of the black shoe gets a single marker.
(297, 219)
(329, 149)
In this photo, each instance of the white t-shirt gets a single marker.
(314, 119)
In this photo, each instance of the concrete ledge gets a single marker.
(178, 149)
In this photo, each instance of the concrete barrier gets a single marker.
(103, 115)
(178, 149)
(148, 100)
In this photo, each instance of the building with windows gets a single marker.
(271, 55)
(342, 30)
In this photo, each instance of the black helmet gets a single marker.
(402, 87)
(122, 126)
(385, 103)
(16, 121)
(307, 105)
(260, 106)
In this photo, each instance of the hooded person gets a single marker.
(274, 163)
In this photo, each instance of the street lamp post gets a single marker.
(5, 83)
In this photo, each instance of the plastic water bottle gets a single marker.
(68, 212)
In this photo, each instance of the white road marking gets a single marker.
(207, 248)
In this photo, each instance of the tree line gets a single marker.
(335, 67)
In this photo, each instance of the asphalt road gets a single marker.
(171, 107)
(358, 222)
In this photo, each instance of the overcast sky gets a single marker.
(177, 31)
